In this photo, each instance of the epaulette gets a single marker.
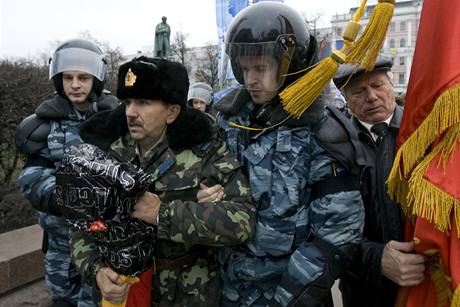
(338, 136)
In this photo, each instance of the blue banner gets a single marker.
(226, 10)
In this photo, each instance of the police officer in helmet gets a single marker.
(77, 69)
(303, 172)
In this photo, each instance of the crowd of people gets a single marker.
(251, 206)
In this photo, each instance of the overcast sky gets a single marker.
(28, 27)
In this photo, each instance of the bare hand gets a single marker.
(147, 208)
(112, 287)
(210, 194)
(401, 264)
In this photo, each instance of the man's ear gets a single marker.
(173, 112)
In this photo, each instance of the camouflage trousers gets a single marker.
(62, 278)
(188, 286)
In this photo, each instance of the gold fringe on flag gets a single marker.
(300, 95)
(425, 199)
(445, 114)
(456, 298)
(440, 280)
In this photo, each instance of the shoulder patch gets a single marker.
(31, 134)
(204, 149)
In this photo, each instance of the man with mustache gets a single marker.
(78, 70)
(383, 262)
(155, 130)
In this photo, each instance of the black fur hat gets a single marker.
(153, 78)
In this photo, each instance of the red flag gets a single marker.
(426, 174)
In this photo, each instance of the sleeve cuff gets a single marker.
(164, 220)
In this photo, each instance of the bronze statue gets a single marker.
(162, 34)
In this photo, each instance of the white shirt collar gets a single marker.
(369, 126)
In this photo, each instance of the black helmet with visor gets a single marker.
(271, 30)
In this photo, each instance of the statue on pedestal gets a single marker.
(162, 34)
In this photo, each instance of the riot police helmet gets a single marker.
(81, 55)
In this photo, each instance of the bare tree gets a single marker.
(207, 65)
(114, 57)
(179, 47)
(312, 21)
(23, 86)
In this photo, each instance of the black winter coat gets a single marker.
(364, 285)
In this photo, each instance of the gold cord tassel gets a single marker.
(366, 49)
(299, 95)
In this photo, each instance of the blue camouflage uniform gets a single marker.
(37, 182)
(284, 164)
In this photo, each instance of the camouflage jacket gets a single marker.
(61, 123)
(283, 165)
(189, 232)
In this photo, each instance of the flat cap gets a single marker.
(351, 71)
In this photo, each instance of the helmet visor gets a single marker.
(78, 59)
(261, 66)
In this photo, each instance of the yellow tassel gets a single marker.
(456, 298)
(366, 49)
(299, 95)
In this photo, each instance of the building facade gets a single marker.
(400, 40)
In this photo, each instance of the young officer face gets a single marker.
(371, 97)
(260, 75)
(77, 85)
(148, 119)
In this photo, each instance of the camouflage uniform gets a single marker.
(187, 270)
(283, 165)
(37, 182)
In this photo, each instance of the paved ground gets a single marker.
(36, 295)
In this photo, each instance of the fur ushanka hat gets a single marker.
(153, 78)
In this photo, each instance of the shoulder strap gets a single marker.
(338, 136)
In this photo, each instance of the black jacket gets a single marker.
(364, 285)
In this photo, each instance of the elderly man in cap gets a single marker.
(155, 130)
(384, 262)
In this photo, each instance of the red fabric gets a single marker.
(425, 295)
(140, 294)
(447, 179)
(435, 68)
(436, 64)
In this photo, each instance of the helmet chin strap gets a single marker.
(261, 116)
(236, 125)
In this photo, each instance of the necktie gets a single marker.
(381, 129)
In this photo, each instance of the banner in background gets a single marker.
(226, 10)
